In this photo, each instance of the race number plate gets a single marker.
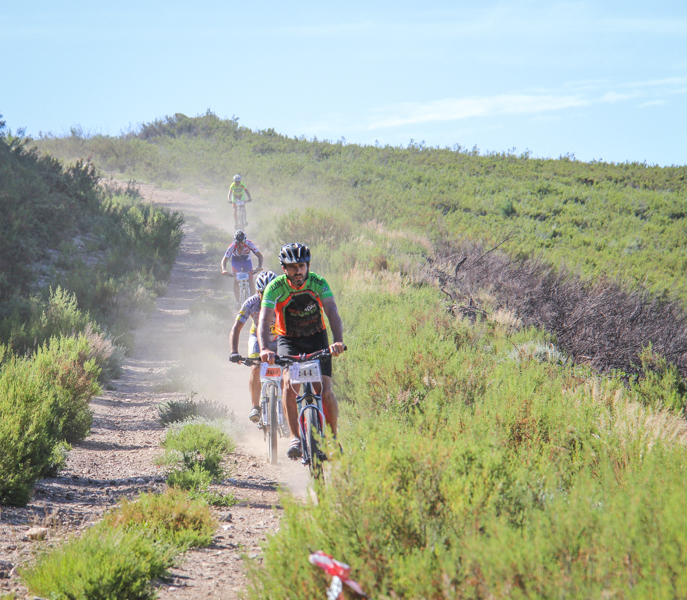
(307, 372)
(268, 371)
(242, 276)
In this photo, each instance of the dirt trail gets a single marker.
(117, 458)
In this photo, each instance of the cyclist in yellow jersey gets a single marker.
(297, 303)
(237, 191)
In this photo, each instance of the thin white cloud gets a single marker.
(652, 103)
(616, 97)
(537, 103)
(464, 108)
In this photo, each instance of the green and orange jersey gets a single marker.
(298, 311)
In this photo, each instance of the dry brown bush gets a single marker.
(601, 323)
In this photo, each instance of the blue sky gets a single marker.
(600, 80)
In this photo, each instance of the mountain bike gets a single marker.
(305, 369)
(272, 421)
(243, 279)
(241, 219)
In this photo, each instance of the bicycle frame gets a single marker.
(307, 401)
(241, 214)
(243, 279)
(272, 420)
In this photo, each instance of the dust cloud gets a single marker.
(188, 333)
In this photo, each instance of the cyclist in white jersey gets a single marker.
(251, 308)
(239, 252)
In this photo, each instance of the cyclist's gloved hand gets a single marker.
(235, 357)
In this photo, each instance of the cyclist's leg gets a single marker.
(254, 382)
(288, 346)
(329, 404)
(236, 216)
(289, 403)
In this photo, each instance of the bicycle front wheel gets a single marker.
(311, 442)
(274, 425)
(244, 294)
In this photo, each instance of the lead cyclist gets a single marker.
(297, 302)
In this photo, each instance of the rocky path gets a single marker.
(117, 459)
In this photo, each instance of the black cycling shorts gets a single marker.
(293, 346)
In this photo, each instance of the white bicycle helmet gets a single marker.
(263, 280)
(237, 178)
(240, 236)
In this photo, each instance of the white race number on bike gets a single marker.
(241, 276)
(306, 372)
(272, 372)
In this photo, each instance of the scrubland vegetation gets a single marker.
(502, 438)
(121, 556)
(79, 264)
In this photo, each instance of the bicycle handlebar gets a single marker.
(253, 272)
(287, 360)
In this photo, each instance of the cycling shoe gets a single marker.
(294, 450)
(254, 414)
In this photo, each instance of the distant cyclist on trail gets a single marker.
(298, 301)
(239, 252)
(237, 193)
(251, 308)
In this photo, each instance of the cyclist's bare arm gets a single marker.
(259, 255)
(264, 333)
(234, 336)
(223, 265)
(332, 312)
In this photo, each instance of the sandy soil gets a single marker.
(116, 459)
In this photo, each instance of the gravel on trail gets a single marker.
(117, 459)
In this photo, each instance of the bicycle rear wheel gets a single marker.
(274, 425)
(311, 435)
(241, 217)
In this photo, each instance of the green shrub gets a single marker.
(174, 411)
(173, 517)
(65, 363)
(43, 204)
(198, 443)
(662, 386)
(44, 400)
(28, 428)
(190, 478)
(104, 564)
(196, 481)
(59, 316)
(58, 459)
(313, 227)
